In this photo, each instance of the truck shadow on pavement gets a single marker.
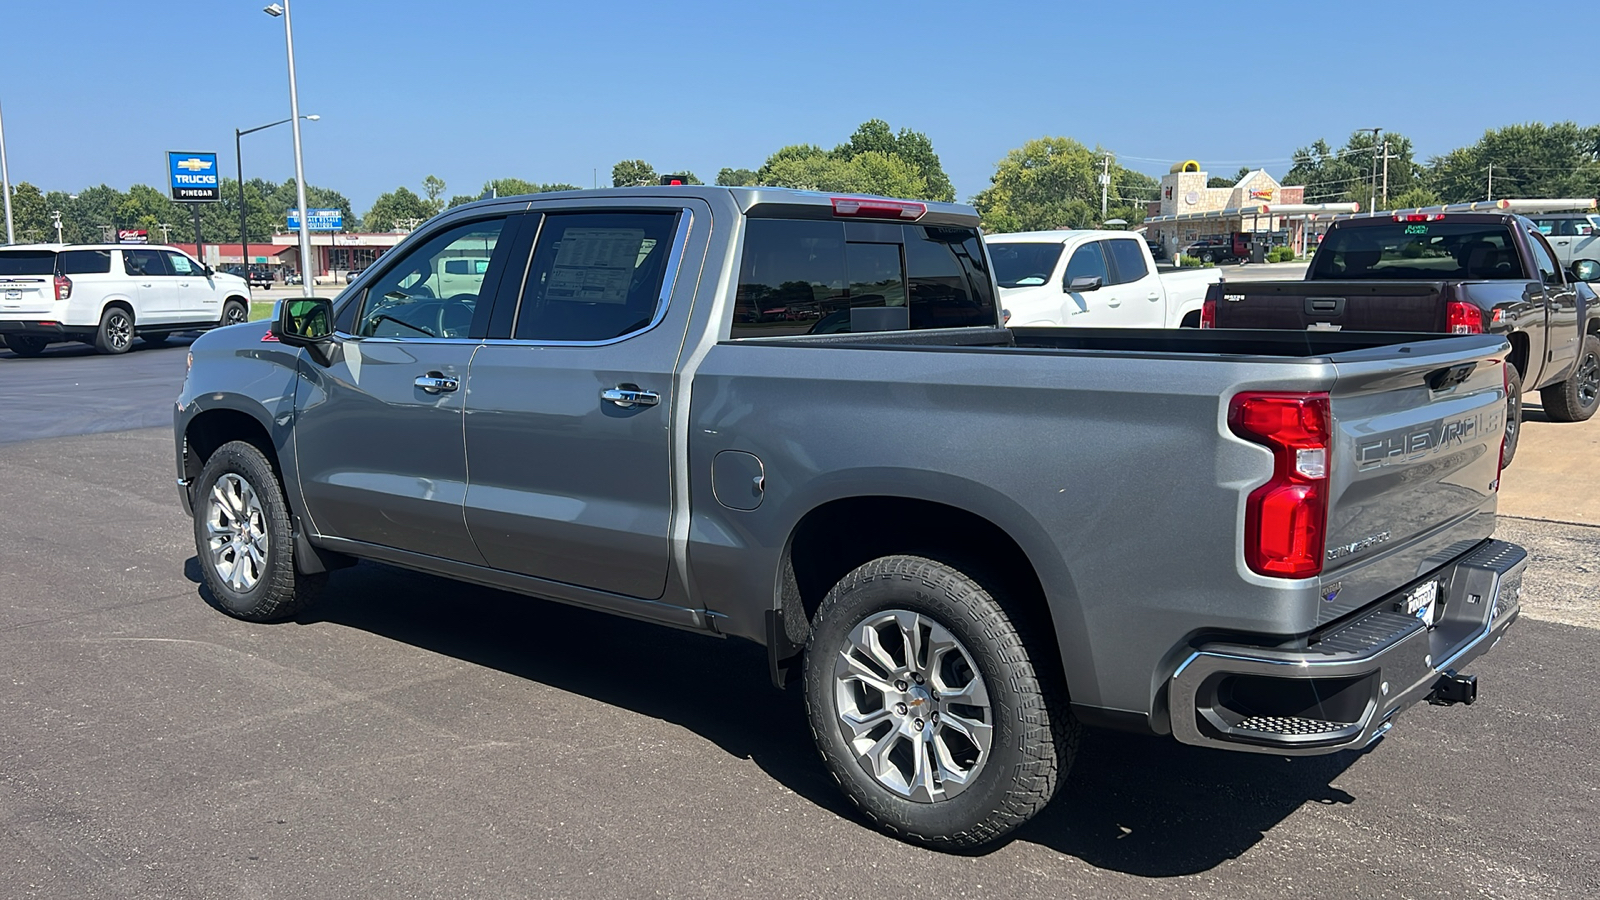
(1141, 805)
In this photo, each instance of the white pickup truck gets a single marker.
(1100, 279)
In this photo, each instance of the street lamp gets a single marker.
(5, 182)
(238, 157)
(275, 10)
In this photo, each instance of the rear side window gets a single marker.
(84, 262)
(1127, 261)
(823, 277)
(1420, 250)
(595, 276)
(27, 262)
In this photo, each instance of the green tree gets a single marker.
(632, 173)
(433, 186)
(914, 147)
(282, 199)
(1054, 182)
(1561, 159)
(736, 177)
(1346, 174)
(30, 217)
(1414, 198)
(460, 200)
(398, 209)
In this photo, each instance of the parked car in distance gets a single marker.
(1157, 251)
(965, 539)
(1222, 248)
(108, 294)
(1462, 273)
(1103, 279)
(1573, 237)
(258, 276)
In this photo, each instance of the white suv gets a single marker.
(106, 294)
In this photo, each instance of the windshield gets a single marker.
(1024, 265)
(27, 262)
(1425, 251)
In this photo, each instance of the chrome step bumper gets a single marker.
(1343, 688)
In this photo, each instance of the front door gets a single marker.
(568, 422)
(1562, 331)
(197, 300)
(1101, 307)
(379, 431)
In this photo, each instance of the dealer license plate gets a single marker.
(14, 295)
(1423, 602)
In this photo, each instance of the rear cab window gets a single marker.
(812, 276)
(1420, 250)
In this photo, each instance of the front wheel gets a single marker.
(929, 707)
(1576, 399)
(234, 312)
(244, 539)
(27, 345)
(115, 334)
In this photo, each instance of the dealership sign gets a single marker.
(193, 177)
(133, 236)
(318, 219)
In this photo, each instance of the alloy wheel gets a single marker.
(119, 331)
(236, 531)
(235, 314)
(1589, 380)
(912, 706)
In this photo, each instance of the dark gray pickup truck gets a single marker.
(1458, 273)
(797, 419)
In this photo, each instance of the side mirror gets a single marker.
(1084, 283)
(1586, 270)
(306, 322)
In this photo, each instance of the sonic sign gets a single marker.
(193, 177)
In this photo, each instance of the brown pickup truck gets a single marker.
(1461, 273)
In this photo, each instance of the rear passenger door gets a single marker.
(196, 300)
(569, 403)
(154, 284)
(1138, 289)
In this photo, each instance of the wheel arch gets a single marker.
(838, 535)
(1520, 344)
(209, 429)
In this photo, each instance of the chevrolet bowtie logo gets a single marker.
(193, 164)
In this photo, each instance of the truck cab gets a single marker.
(1101, 279)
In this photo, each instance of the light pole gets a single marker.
(5, 182)
(306, 278)
(238, 157)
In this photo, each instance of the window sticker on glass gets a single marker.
(180, 264)
(595, 264)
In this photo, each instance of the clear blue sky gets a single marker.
(550, 91)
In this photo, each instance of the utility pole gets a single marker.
(1105, 185)
(1372, 202)
(1386, 172)
(5, 183)
(1491, 182)
(55, 219)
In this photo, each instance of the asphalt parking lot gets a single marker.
(412, 737)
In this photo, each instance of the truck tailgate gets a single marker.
(1347, 305)
(1415, 465)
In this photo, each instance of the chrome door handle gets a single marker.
(437, 383)
(629, 396)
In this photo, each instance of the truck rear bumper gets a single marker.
(1342, 690)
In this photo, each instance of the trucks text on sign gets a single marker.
(193, 177)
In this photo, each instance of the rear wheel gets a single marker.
(115, 334)
(244, 539)
(1513, 415)
(28, 345)
(1208, 256)
(1576, 399)
(928, 707)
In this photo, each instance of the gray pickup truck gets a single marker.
(797, 419)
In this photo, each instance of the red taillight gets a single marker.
(1419, 217)
(1286, 519)
(876, 208)
(63, 287)
(1463, 318)
(1208, 313)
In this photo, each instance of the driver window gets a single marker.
(1088, 260)
(1545, 260)
(433, 291)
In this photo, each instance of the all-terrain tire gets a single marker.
(1508, 448)
(272, 589)
(115, 334)
(1034, 735)
(1577, 398)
